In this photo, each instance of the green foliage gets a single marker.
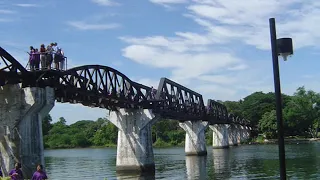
(106, 135)
(268, 124)
(83, 133)
(299, 115)
(259, 139)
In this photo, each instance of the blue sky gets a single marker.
(219, 48)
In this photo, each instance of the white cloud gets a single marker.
(184, 65)
(90, 26)
(248, 22)
(5, 20)
(105, 2)
(169, 1)
(4, 11)
(26, 5)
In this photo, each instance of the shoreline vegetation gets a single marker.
(301, 120)
(249, 142)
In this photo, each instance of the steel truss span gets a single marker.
(179, 102)
(90, 85)
(105, 87)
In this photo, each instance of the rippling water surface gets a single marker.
(242, 162)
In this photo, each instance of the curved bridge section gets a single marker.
(91, 85)
(102, 86)
(179, 102)
(105, 87)
(11, 71)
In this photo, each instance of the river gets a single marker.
(240, 162)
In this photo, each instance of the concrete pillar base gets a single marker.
(142, 168)
(21, 113)
(241, 134)
(201, 153)
(134, 147)
(220, 135)
(233, 135)
(195, 143)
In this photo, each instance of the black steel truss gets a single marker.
(217, 113)
(105, 87)
(91, 85)
(179, 102)
(11, 71)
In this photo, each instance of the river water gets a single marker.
(240, 162)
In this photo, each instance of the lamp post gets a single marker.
(282, 47)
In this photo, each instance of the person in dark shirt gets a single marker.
(36, 59)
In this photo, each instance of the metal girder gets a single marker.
(9, 63)
(11, 71)
(179, 102)
(98, 86)
(105, 87)
(217, 113)
(91, 85)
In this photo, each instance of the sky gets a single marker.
(219, 48)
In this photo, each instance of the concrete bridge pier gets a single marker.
(240, 134)
(233, 135)
(21, 114)
(220, 136)
(247, 133)
(195, 143)
(134, 147)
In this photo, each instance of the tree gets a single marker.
(268, 124)
(233, 107)
(106, 135)
(46, 124)
(62, 121)
(300, 114)
(256, 105)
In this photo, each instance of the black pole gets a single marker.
(277, 89)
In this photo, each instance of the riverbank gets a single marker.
(288, 140)
(162, 144)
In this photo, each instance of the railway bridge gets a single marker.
(28, 96)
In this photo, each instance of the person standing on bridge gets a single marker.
(39, 174)
(31, 58)
(36, 59)
(49, 55)
(43, 56)
(16, 173)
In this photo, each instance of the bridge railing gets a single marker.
(38, 66)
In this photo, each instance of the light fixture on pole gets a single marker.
(280, 47)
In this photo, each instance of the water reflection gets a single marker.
(241, 162)
(221, 163)
(196, 167)
(135, 176)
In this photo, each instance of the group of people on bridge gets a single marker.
(16, 173)
(46, 56)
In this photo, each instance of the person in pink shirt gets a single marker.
(39, 174)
